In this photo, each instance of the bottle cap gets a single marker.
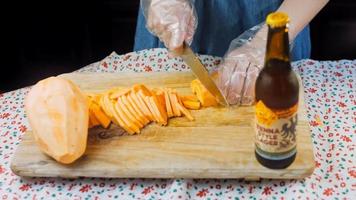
(277, 19)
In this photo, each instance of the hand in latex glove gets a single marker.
(172, 21)
(241, 65)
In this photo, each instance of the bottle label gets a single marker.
(275, 131)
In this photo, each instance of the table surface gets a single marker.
(330, 97)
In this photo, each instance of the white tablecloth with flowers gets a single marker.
(330, 96)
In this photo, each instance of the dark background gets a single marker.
(40, 39)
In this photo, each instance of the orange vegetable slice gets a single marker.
(99, 115)
(128, 100)
(125, 119)
(150, 107)
(128, 114)
(121, 122)
(168, 104)
(142, 105)
(132, 110)
(120, 92)
(174, 102)
(204, 96)
(193, 105)
(92, 118)
(185, 112)
(159, 93)
(189, 98)
(162, 116)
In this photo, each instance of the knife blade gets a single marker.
(201, 73)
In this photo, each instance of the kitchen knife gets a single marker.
(201, 73)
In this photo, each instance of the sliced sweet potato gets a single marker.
(128, 100)
(92, 118)
(189, 98)
(127, 121)
(100, 115)
(118, 93)
(121, 122)
(193, 105)
(128, 114)
(145, 100)
(159, 93)
(204, 96)
(108, 108)
(161, 107)
(174, 102)
(142, 105)
(162, 116)
(132, 110)
(143, 88)
(185, 112)
(168, 104)
(150, 107)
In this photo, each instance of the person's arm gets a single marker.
(244, 59)
(300, 13)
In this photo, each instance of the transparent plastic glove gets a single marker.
(172, 21)
(242, 62)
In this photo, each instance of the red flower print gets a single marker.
(126, 57)
(2, 170)
(338, 74)
(105, 65)
(312, 90)
(341, 105)
(5, 115)
(314, 123)
(23, 128)
(352, 173)
(328, 191)
(25, 187)
(147, 190)
(317, 164)
(216, 62)
(202, 193)
(148, 69)
(85, 188)
(310, 63)
(267, 190)
(133, 186)
(345, 138)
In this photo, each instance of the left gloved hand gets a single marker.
(238, 72)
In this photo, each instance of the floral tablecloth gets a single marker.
(330, 97)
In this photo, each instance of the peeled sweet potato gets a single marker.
(58, 115)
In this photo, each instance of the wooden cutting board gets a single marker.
(218, 144)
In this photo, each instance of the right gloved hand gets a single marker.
(241, 65)
(172, 21)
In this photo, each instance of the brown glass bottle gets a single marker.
(276, 93)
